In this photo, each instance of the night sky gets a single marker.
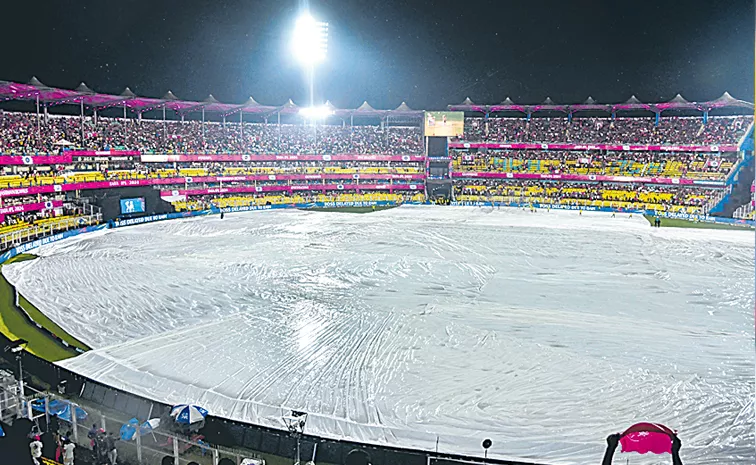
(427, 53)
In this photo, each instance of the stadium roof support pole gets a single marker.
(706, 116)
(38, 129)
(203, 126)
(278, 147)
(657, 118)
(124, 110)
(81, 116)
(351, 131)
(241, 125)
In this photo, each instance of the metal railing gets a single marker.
(744, 212)
(145, 447)
(36, 231)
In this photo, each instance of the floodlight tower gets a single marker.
(310, 45)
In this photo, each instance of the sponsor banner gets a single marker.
(586, 147)
(31, 207)
(99, 159)
(590, 178)
(36, 160)
(165, 195)
(46, 240)
(150, 158)
(103, 153)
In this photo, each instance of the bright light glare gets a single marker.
(310, 42)
(320, 112)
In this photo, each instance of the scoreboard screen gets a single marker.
(444, 123)
(131, 206)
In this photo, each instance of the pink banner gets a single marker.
(103, 153)
(580, 147)
(148, 158)
(303, 177)
(289, 189)
(31, 207)
(589, 178)
(67, 157)
(35, 159)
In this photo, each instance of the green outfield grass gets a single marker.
(352, 209)
(679, 223)
(14, 325)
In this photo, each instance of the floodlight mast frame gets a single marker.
(295, 422)
(16, 347)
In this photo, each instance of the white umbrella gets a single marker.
(148, 427)
(188, 414)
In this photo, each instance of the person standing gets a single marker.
(36, 450)
(110, 443)
(68, 452)
(92, 435)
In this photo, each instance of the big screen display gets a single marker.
(444, 123)
(131, 206)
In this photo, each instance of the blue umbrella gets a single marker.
(128, 431)
(60, 408)
(2, 432)
(188, 414)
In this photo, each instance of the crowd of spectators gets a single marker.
(20, 133)
(201, 202)
(596, 193)
(641, 163)
(24, 133)
(637, 130)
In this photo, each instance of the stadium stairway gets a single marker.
(740, 180)
(741, 190)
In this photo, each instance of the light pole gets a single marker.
(16, 347)
(295, 423)
(487, 443)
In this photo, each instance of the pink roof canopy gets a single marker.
(51, 96)
(677, 103)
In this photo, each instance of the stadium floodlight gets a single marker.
(321, 112)
(310, 42)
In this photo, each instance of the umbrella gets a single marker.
(128, 431)
(188, 414)
(60, 408)
(2, 432)
(647, 437)
(149, 426)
